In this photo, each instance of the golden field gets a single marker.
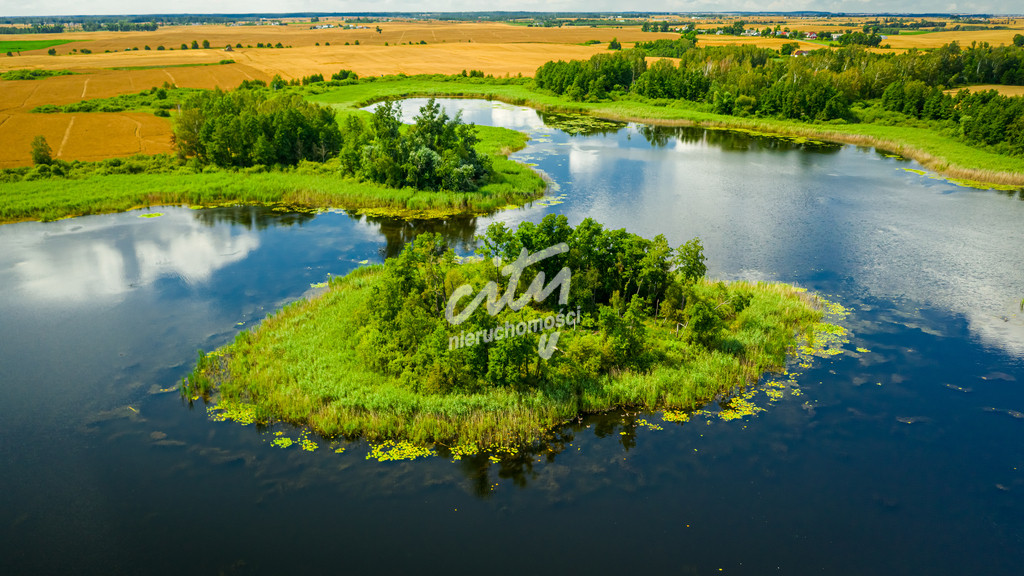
(495, 48)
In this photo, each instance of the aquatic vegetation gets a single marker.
(239, 412)
(391, 451)
(649, 425)
(151, 215)
(675, 416)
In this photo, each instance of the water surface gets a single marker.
(904, 459)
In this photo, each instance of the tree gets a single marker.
(206, 43)
(614, 44)
(53, 51)
(41, 151)
(689, 261)
(1018, 39)
(195, 45)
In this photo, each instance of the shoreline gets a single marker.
(957, 174)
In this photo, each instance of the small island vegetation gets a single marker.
(375, 356)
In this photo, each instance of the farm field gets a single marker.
(1004, 90)
(119, 63)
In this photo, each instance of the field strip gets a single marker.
(85, 87)
(67, 134)
(247, 75)
(4, 121)
(29, 97)
(138, 132)
(173, 81)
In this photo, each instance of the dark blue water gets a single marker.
(904, 459)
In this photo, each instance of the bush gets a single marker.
(42, 154)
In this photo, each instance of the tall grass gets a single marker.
(302, 365)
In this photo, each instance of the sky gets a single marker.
(68, 7)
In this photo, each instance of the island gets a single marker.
(544, 323)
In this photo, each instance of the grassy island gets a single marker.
(378, 356)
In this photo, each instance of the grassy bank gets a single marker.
(934, 151)
(306, 186)
(303, 365)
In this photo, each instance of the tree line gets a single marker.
(821, 86)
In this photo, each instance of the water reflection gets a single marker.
(459, 231)
(901, 453)
(102, 257)
(253, 217)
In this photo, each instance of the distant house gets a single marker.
(837, 36)
(812, 35)
(801, 52)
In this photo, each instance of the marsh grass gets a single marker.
(301, 365)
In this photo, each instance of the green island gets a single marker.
(397, 353)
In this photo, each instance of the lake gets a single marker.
(904, 458)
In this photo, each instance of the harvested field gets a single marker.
(1004, 90)
(83, 136)
(936, 39)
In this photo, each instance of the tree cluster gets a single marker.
(436, 153)
(246, 128)
(619, 282)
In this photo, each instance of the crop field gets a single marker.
(29, 45)
(1004, 90)
(119, 62)
(83, 136)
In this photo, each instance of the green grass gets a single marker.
(302, 365)
(148, 100)
(25, 74)
(26, 45)
(172, 65)
(943, 154)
